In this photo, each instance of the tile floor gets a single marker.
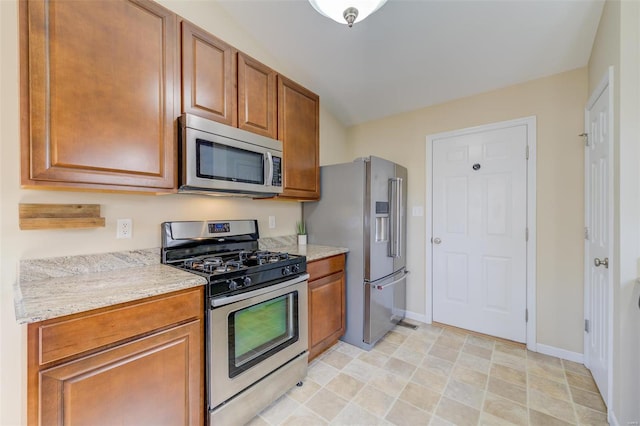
(439, 376)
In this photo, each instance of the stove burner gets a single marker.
(231, 265)
(217, 261)
(192, 263)
(244, 255)
(210, 264)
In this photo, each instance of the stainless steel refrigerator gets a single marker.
(363, 208)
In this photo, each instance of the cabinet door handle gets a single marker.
(437, 240)
(604, 262)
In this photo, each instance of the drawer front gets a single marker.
(323, 267)
(59, 339)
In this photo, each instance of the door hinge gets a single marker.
(586, 325)
(585, 136)
(526, 234)
(526, 315)
(586, 233)
(527, 155)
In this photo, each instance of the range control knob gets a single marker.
(246, 281)
(295, 268)
(286, 270)
(232, 285)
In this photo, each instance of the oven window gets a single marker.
(259, 331)
(223, 162)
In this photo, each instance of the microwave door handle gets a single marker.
(268, 171)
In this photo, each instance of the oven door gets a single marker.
(252, 334)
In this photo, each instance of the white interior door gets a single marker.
(598, 232)
(479, 220)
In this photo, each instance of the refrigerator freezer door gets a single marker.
(385, 304)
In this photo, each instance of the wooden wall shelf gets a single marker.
(60, 216)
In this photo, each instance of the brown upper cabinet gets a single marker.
(299, 131)
(256, 97)
(208, 76)
(99, 95)
(224, 85)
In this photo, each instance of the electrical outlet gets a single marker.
(124, 228)
(272, 222)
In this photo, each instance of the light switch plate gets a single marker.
(417, 211)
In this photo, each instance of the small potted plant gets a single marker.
(301, 230)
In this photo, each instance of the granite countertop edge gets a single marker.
(56, 287)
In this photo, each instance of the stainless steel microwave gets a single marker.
(218, 159)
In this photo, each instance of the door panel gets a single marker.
(144, 382)
(456, 205)
(457, 277)
(598, 222)
(496, 273)
(479, 224)
(208, 76)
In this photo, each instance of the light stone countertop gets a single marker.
(54, 287)
(59, 286)
(312, 251)
(289, 244)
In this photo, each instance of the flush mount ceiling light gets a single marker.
(347, 11)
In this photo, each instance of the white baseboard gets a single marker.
(416, 317)
(611, 417)
(560, 353)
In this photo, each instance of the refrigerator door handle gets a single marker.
(382, 287)
(396, 197)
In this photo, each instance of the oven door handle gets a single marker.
(221, 301)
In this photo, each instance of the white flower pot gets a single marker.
(302, 240)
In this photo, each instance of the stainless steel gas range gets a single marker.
(256, 314)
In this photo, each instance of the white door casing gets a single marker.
(481, 192)
(598, 291)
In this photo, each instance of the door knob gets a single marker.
(437, 240)
(604, 262)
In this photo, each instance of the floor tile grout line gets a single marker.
(486, 386)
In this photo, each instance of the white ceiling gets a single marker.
(415, 53)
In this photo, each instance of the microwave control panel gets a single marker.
(277, 172)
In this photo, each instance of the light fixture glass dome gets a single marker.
(342, 10)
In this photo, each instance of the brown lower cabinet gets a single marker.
(140, 363)
(326, 303)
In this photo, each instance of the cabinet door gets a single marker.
(98, 94)
(299, 131)
(146, 382)
(256, 97)
(326, 303)
(208, 76)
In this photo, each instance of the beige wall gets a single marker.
(146, 211)
(617, 44)
(558, 103)
(333, 148)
